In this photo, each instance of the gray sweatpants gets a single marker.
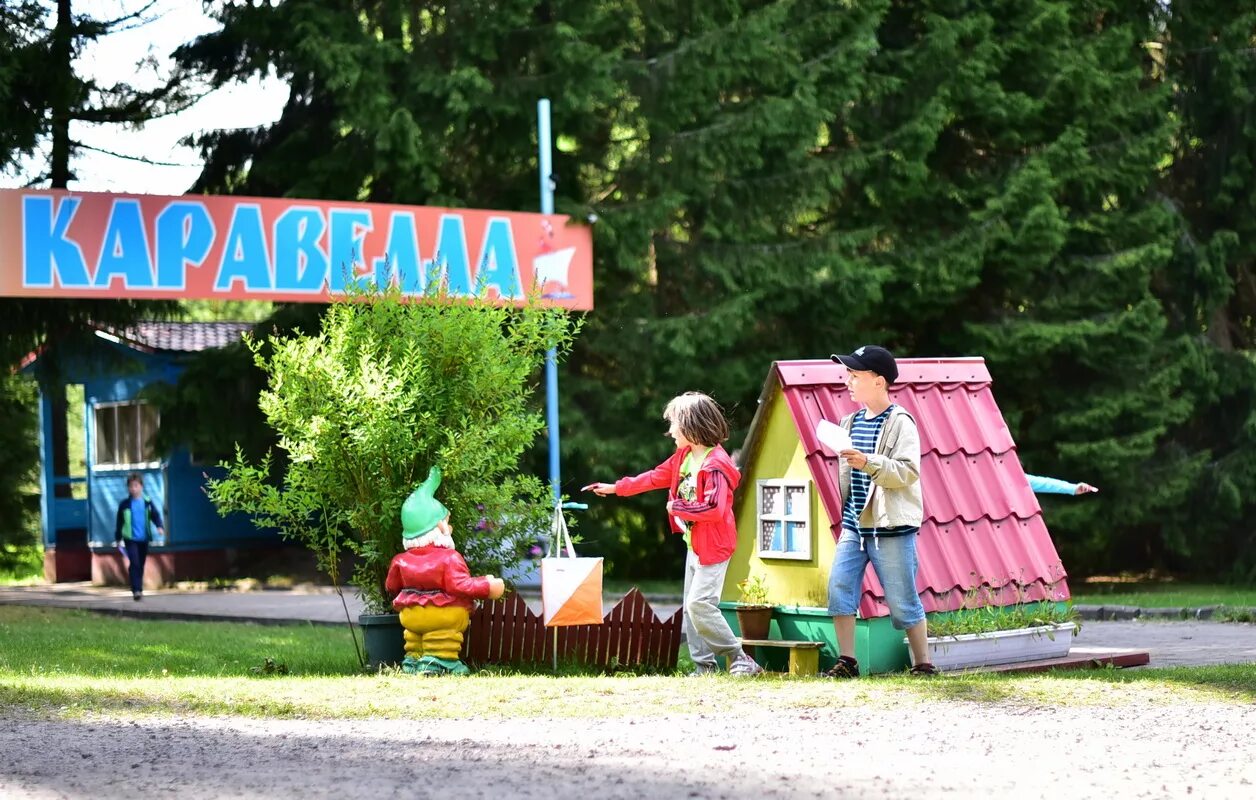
(706, 631)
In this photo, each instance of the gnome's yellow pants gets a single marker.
(434, 630)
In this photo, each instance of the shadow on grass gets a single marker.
(44, 700)
(570, 669)
(970, 688)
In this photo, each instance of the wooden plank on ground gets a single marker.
(1077, 658)
(790, 643)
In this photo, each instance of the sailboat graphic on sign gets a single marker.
(553, 267)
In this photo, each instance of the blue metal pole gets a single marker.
(551, 356)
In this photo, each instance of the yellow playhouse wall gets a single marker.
(789, 582)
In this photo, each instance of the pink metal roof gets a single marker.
(983, 529)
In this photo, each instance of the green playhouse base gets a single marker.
(878, 646)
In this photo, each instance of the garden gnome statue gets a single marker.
(434, 591)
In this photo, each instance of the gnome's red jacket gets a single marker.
(433, 576)
(712, 528)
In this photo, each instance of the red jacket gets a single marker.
(434, 576)
(712, 529)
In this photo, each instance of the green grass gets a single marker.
(43, 641)
(649, 586)
(57, 661)
(21, 564)
(1164, 595)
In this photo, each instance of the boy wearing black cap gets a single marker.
(882, 509)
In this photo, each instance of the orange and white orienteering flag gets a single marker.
(571, 587)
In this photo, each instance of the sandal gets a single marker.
(846, 667)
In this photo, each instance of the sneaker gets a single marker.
(925, 668)
(846, 667)
(136, 596)
(744, 667)
(703, 670)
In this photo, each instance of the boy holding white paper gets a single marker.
(882, 508)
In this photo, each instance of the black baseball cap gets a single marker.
(871, 358)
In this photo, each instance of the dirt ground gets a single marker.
(954, 748)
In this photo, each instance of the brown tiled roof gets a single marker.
(182, 337)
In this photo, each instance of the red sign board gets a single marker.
(83, 244)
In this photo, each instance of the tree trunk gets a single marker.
(62, 39)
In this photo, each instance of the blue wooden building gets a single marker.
(102, 375)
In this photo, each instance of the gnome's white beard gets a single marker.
(433, 538)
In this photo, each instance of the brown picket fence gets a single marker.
(506, 631)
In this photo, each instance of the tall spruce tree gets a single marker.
(392, 101)
(1210, 65)
(949, 178)
(783, 178)
(719, 251)
(1021, 224)
(429, 104)
(21, 79)
(41, 95)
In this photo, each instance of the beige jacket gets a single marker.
(894, 496)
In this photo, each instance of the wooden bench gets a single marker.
(804, 657)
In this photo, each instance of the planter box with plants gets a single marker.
(992, 635)
(754, 612)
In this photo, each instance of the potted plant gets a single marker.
(990, 634)
(389, 387)
(754, 612)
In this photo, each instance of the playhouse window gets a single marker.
(125, 434)
(784, 519)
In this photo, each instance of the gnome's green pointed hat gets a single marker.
(422, 511)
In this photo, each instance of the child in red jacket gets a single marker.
(699, 479)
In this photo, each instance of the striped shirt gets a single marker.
(863, 434)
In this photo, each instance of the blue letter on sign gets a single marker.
(299, 265)
(401, 256)
(185, 233)
(346, 244)
(44, 244)
(450, 257)
(499, 268)
(244, 255)
(125, 248)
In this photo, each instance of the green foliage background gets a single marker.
(1064, 187)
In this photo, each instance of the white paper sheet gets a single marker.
(833, 436)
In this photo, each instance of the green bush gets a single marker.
(19, 464)
(389, 387)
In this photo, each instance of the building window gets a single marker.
(125, 435)
(784, 518)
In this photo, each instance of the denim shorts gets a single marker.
(894, 560)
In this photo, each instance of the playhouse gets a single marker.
(983, 533)
(110, 429)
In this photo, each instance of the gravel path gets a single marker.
(956, 749)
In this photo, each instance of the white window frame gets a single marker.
(802, 516)
(110, 466)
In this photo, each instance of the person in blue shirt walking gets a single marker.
(1043, 485)
(138, 517)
